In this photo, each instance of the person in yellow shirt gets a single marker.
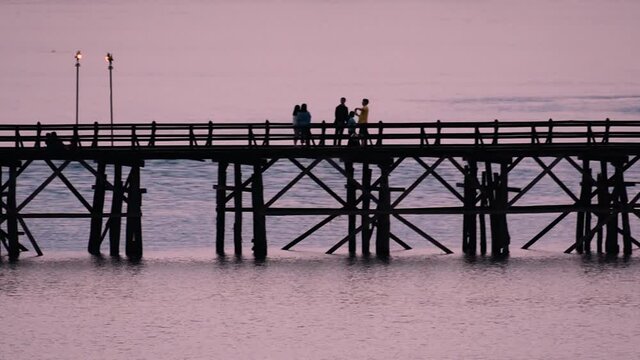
(363, 117)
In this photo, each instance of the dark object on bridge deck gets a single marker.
(53, 142)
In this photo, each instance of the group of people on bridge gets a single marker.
(343, 119)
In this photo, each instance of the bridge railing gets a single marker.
(211, 134)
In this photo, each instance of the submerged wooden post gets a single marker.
(2, 240)
(12, 213)
(498, 199)
(383, 228)
(503, 201)
(133, 246)
(237, 204)
(623, 207)
(483, 222)
(259, 220)
(469, 217)
(603, 202)
(95, 235)
(583, 223)
(221, 194)
(611, 238)
(351, 205)
(366, 185)
(115, 221)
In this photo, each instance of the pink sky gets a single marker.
(253, 60)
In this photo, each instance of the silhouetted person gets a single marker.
(53, 142)
(304, 121)
(351, 125)
(363, 118)
(342, 115)
(297, 133)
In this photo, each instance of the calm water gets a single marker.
(252, 60)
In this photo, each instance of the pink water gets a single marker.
(253, 60)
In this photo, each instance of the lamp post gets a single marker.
(109, 59)
(78, 56)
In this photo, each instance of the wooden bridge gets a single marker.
(483, 154)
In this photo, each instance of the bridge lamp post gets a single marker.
(78, 56)
(109, 59)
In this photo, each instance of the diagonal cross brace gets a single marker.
(284, 190)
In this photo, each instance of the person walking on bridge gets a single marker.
(304, 121)
(363, 118)
(342, 115)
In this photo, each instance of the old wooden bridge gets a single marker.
(484, 154)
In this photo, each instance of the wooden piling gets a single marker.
(351, 205)
(383, 231)
(115, 221)
(2, 239)
(237, 204)
(221, 194)
(133, 246)
(469, 236)
(95, 234)
(366, 200)
(603, 205)
(583, 222)
(611, 237)
(484, 203)
(12, 214)
(503, 205)
(623, 207)
(259, 219)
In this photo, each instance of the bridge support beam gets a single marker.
(12, 213)
(351, 204)
(133, 246)
(95, 234)
(221, 194)
(115, 221)
(469, 226)
(497, 196)
(259, 214)
(366, 201)
(583, 222)
(383, 227)
(237, 204)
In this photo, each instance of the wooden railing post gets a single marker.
(192, 137)
(605, 137)
(265, 142)
(210, 134)
(94, 142)
(152, 136)
(323, 133)
(38, 135)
